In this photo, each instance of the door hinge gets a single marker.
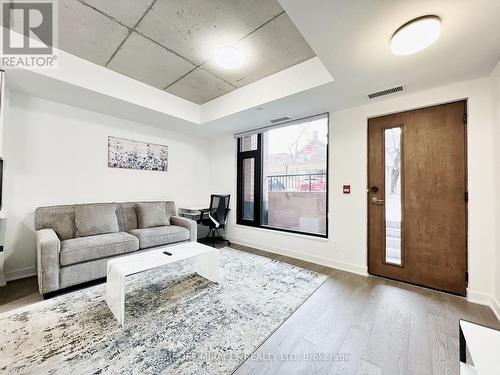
(466, 278)
(466, 197)
(465, 118)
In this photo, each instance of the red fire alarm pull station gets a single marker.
(347, 189)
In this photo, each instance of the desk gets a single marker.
(198, 213)
(194, 212)
(484, 349)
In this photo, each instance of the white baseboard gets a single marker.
(20, 274)
(342, 266)
(495, 306)
(484, 299)
(478, 297)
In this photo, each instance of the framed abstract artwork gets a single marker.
(125, 153)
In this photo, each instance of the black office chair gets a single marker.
(216, 217)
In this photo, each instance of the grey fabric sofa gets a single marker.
(66, 257)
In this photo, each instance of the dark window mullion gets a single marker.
(257, 157)
(258, 182)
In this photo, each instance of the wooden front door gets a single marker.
(417, 197)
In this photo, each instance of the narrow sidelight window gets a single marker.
(393, 195)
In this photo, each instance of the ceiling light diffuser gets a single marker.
(229, 57)
(416, 35)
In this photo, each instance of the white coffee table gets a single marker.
(207, 266)
(483, 344)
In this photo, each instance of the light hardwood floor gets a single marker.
(379, 326)
(19, 293)
(385, 327)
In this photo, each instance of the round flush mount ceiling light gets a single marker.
(416, 35)
(229, 57)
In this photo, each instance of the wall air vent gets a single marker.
(385, 92)
(280, 119)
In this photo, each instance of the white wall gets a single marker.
(346, 247)
(495, 86)
(3, 104)
(57, 154)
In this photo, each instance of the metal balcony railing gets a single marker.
(297, 182)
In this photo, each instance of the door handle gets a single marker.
(377, 201)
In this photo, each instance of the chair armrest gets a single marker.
(48, 247)
(188, 224)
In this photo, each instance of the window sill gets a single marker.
(283, 232)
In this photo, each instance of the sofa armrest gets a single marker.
(48, 247)
(188, 224)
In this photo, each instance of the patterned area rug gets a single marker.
(176, 321)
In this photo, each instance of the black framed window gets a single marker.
(283, 177)
(249, 179)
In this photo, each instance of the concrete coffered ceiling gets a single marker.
(109, 41)
(170, 44)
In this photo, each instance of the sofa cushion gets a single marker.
(152, 214)
(127, 216)
(94, 219)
(150, 237)
(84, 249)
(59, 218)
(170, 208)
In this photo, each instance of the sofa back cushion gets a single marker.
(96, 218)
(170, 209)
(59, 218)
(62, 218)
(152, 214)
(127, 216)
